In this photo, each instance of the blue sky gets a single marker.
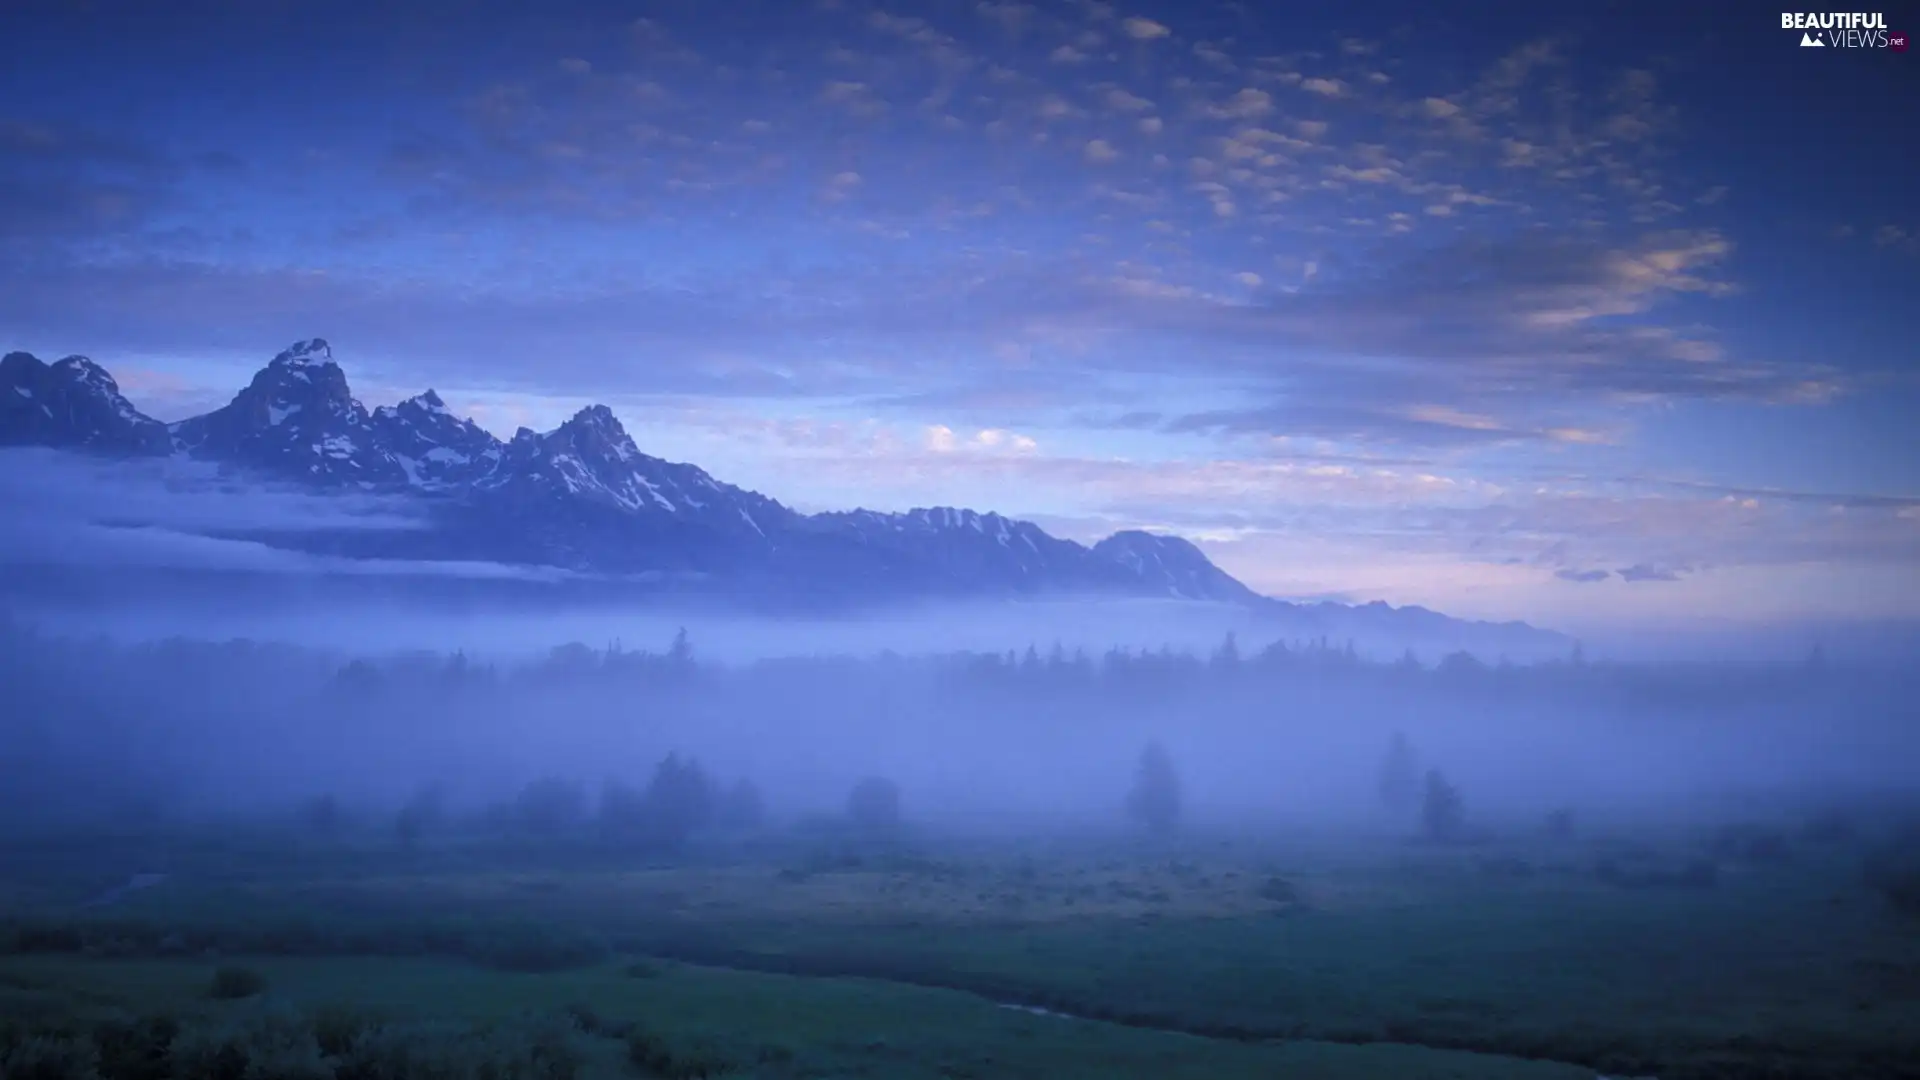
(1599, 316)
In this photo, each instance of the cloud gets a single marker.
(1100, 152)
(1119, 100)
(1324, 87)
(1143, 29)
(72, 510)
(1249, 103)
(1527, 332)
(1646, 572)
(1582, 577)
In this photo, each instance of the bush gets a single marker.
(135, 1050)
(680, 800)
(1154, 802)
(230, 983)
(656, 1056)
(48, 1057)
(1442, 814)
(272, 1043)
(874, 804)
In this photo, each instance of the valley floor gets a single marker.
(831, 956)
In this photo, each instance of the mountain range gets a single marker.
(584, 499)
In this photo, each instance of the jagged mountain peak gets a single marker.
(306, 370)
(436, 449)
(591, 455)
(312, 351)
(597, 427)
(297, 417)
(584, 496)
(429, 401)
(88, 373)
(71, 402)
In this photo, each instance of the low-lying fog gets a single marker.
(95, 729)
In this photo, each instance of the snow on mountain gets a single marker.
(437, 450)
(585, 498)
(71, 403)
(296, 419)
(966, 548)
(1173, 564)
(592, 458)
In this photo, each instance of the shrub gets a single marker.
(230, 983)
(657, 1056)
(874, 804)
(135, 1050)
(48, 1057)
(271, 1043)
(1441, 811)
(1154, 802)
(679, 800)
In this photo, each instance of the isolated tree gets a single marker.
(681, 799)
(680, 653)
(742, 808)
(1399, 777)
(1227, 656)
(874, 804)
(1154, 801)
(1441, 812)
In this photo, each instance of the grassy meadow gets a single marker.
(1744, 952)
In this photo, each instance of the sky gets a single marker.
(1598, 316)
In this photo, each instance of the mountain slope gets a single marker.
(71, 404)
(296, 419)
(584, 498)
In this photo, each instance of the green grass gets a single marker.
(1189, 957)
(764, 1025)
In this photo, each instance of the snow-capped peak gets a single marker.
(87, 373)
(426, 402)
(310, 351)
